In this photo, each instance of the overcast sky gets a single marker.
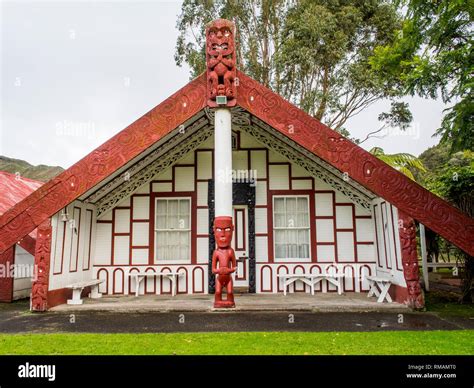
(75, 73)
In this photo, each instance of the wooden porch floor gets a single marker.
(324, 302)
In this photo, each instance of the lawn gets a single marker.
(447, 304)
(277, 343)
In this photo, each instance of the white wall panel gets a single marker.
(261, 193)
(301, 184)
(279, 177)
(121, 250)
(202, 188)
(324, 230)
(344, 217)
(258, 161)
(260, 220)
(240, 160)
(324, 205)
(261, 249)
(202, 250)
(184, 179)
(345, 246)
(326, 253)
(162, 187)
(366, 252)
(202, 221)
(204, 162)
(139, 256)
(103, 244)
(140, 233)
(141, 208)
(122, 220)
(365, 229)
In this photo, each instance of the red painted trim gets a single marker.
(178, 290)
(376, 236)
(90, 240)
(114, 292)
(106, 279)
(399, 294)
(131, 271)
(195, 291)
(61, 295)
(244, 247)
(167, 269)
(28, 243)
(6, 282)
(146, 282)
(397, 259)
(73, 230)
(62, 249)
(261, 278)
(382, 206)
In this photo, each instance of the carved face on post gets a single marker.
(220, 61)
(220, 39)
(223, 230)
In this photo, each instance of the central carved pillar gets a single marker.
(221, 94)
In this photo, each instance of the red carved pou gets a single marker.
(223, 262)
(39, 289)
(220, 60)
(407, 232)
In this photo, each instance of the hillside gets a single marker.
(41, 172)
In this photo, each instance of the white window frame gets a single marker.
(297, 259)
(155, 233)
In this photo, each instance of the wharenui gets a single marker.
(225, 188)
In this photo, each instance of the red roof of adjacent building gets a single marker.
(13, 188)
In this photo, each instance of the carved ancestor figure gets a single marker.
(407, 232)
(220, 55)
(223, 261)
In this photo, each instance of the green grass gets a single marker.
(447, 304)
(277, 343)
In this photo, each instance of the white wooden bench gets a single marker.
(311, 280)
(77, 289)
(379, 286)
(139, 276)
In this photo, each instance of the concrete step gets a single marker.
(241, 290)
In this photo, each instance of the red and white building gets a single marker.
(304, 200)
(16, 263)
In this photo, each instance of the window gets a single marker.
(291, 227)
(172, 229)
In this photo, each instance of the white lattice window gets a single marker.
(291, 227)
(173, 229)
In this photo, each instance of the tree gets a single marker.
(403, 162)
(433, 55)
(313, 53)
(455, 183)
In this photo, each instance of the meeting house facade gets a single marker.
(303, 200)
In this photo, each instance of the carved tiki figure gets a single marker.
(220, 59)
(223, 261)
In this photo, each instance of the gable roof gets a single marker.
(308, 132)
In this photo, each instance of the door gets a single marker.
(240, 244)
